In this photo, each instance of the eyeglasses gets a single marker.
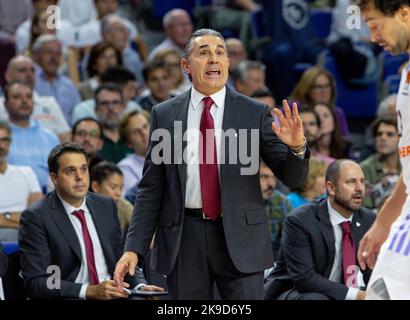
(322, 86)
(5, 139)
(106, 103)
(84, 133)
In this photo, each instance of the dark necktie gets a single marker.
(89, 250)
(208, 167)
(348, 256)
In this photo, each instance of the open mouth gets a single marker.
(358, 197)
(213, 73)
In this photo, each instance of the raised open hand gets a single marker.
(290, 126)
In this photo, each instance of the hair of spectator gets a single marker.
(96, 51)
(317, 168)
(126, 119)
(384, 105)
(245, 66)
(100, 127)
(153, 65)
(392, 121)
(5, 126)
(107, 20)
(201, 33)
(303, 89)
(333, 170)
(104, 170)
(118, 75)
(386, 7)
(169, 16)
(8, 87)
(306, 109)
(108, 86)
(61, 149)
(42, 40)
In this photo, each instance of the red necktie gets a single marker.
(89, 250)
(208, 167)
(348, 256)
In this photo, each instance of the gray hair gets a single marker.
(200, 33)
(5, 126)
(107, 20)
(42, 40)
(247, 65)
(169, 16)
(383, 108)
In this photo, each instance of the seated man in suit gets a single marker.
(70, 240)
(317, 257)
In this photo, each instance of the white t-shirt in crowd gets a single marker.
(16, 184)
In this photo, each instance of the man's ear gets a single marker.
(185, 66)
(53, 177)
(95, 186)
(330, 188)
(404, 14)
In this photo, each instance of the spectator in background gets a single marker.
(315, 86)
(385, 162)
(46, 109)
(114, 30)
(178, 28)
(19, 188)
(134, 129)
(311, 127)
(47, 54)
(277, 205)
(12, 14)
(265, 96)
(77, 12)
(109, 107)
(102, 56)
(87, 133)
(237, 54)
(31, 143)
(157, 80)
(114, 75)
(387, 107)
(28, 28)
(179, 81)
(331, 143)
(107, 179)
(249, 77)
(314, 186)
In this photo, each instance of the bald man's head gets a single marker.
(21, 69)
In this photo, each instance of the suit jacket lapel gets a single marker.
(103, 235)
(181, 116)
(326, 229)
(59, 215)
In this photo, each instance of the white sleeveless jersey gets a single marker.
(403, 115)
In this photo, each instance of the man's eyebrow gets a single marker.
(207, 46)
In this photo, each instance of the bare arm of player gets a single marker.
(372, 241)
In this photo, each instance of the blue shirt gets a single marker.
(61, 88)
(30, 147)
(296, 199)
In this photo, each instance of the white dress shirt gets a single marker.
(100, 264)
(335, 275)
(193, 197)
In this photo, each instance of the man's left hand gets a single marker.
(290, 126)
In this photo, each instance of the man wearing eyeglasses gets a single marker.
(385, 162)
(19, 189)
(87, 133)
(109, 108)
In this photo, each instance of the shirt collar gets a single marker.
(335, 217)
(70, 209)
(217, 97)
(41, 74)
(32, 124)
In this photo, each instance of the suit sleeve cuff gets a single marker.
(352, 293)
(83, 291)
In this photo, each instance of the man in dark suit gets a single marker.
(317, 258)
(208, 213)
(70, 240)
